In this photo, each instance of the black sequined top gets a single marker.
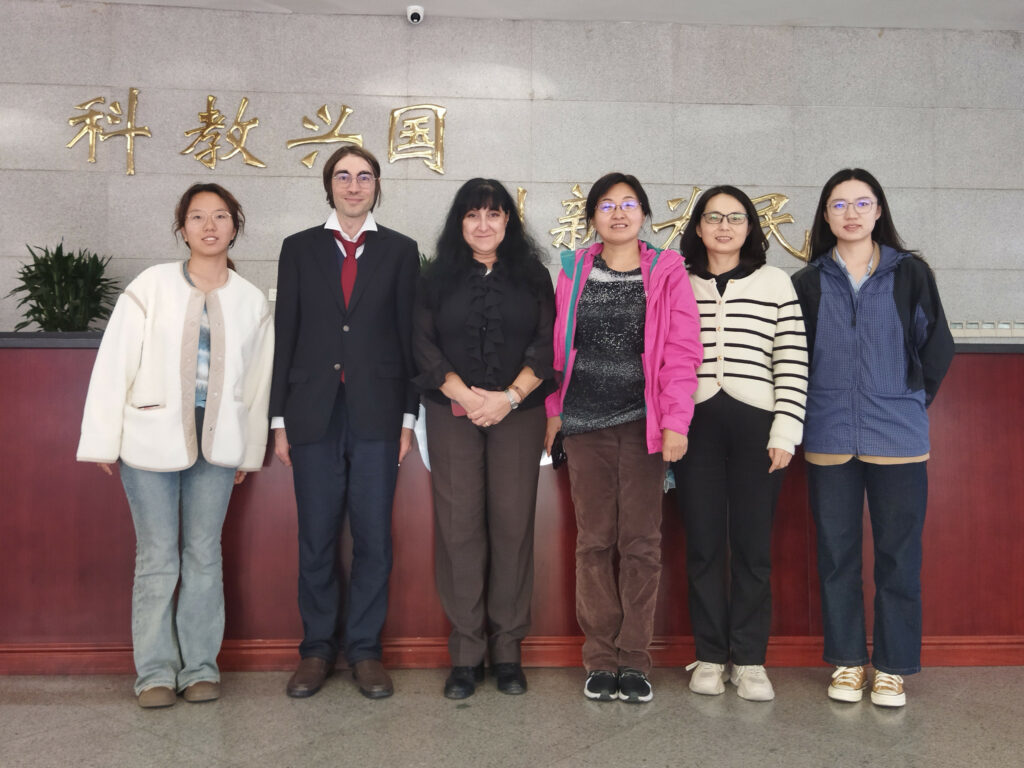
(607, 384)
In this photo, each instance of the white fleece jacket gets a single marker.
(141, 401)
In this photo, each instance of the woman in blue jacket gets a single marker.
(879, 347)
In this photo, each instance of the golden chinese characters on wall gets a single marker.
(91, 126)
(414, 132)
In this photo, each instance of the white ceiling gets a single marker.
(920, 14)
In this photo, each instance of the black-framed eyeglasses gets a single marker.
(716, 217)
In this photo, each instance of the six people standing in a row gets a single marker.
(707, 362)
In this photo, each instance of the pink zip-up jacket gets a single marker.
(672, 347)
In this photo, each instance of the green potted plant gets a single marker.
(64, 291)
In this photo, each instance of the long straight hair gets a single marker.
(823, 239)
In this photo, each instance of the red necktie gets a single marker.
(350, 264)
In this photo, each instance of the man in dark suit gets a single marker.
(343, 406)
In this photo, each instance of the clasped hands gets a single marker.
(486, 407)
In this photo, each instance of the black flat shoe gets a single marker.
(511, 679)
(461, 683)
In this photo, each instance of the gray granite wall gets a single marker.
(936, 115)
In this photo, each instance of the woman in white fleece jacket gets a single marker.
(748, 419)
(178, 398)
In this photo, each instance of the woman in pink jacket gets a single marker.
(627, 346)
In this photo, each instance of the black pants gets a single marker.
(727, 498)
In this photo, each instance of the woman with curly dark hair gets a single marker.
(482, 341)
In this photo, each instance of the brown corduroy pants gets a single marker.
(616, 490)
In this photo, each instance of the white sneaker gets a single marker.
(752, 682)
(887, 690)
(708, 678)
(848, 684)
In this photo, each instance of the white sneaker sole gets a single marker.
(707, 690)
(888, 699)
(755, 695)
(635, 699)
(845, 694)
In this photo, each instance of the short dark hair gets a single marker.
(234, 208)
(609, 180)
(884, 233)
(518, 255)
(345, 151)
(753, 252)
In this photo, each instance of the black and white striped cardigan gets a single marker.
(755, 348)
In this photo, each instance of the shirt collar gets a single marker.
(369, 225)
(876, 256)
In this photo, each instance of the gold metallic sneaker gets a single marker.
(887, 690)
(848, 684)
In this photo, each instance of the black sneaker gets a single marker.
(601, 685)
(634, 686)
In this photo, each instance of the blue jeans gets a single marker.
(897, 496)
(177, 645)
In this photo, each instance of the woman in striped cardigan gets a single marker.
(747, 422)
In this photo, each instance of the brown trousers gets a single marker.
(485, 499)
(616, 490)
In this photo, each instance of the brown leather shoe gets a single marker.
(373, 680)
(204, 690)
(309, 676)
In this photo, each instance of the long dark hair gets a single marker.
(823, 240)
(234, 208)
(753, 252)
(519, 257)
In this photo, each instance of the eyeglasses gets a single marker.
(195, 217)
(715, 217)
(860, 205)
(607, 206)
(363, 179)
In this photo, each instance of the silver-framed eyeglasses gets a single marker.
(860, 205)
(717, 217)
(363, 178)
(627, 206)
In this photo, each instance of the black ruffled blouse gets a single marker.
(486, 329)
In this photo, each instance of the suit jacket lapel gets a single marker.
(328, 256)
(369, 262)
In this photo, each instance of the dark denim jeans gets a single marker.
(897, 496)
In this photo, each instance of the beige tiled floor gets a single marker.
(955, 717)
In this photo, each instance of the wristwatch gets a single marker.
(511, 400)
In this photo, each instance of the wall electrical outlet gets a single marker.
(272, 294)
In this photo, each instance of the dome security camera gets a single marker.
(414, 13)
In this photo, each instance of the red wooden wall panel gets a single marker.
(67, 546)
